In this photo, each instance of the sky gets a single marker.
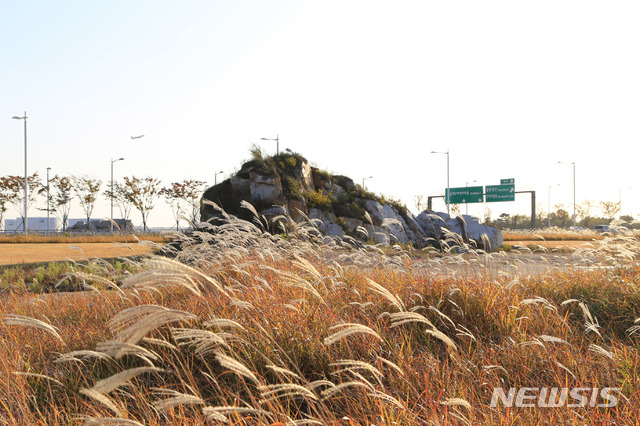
(360, 88)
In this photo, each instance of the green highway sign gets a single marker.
(465, 195)
(495, 193)
(507, 181)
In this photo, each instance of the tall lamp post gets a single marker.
(620, 213)
(574, 189)
(215, 177)
(24, 221)
(467, 204)
(48, 170)
(446, 196)
(111, 195)
(277, 139)
(549, 217)
(363, 179)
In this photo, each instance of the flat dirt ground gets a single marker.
(43, 252)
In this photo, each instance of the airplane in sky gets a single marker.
(136, 137)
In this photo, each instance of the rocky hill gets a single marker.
(287, 188)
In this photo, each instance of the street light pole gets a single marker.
(111, 195)
(215, 177)
(48, 169)
(24, 221)
(467, 204)
(549, 199)
(620, 213)
(363, 179)
(277, 139)
(448, 187)
(574, 189)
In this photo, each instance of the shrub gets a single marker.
(256, 152)
(291, 187)
(318, 200)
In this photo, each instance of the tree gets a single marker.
(583, 211)
(6, 197)
(15, 185)
(60, 198)
(184, 197)
(175, 196)
(487, 216)
(121, 199)
(142, 193)
(561, 214)
(87, 189)
(610, 209)
(419, 202)
(193, 194)
(540, 222)
(627, 218)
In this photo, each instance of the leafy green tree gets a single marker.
(142, 193)
(87, 189)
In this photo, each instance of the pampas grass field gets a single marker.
(243, 327)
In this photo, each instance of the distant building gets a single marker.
(36, 224)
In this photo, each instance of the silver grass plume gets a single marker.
(171, 398)
(235, 366)
(120, 379)
(348, 329)
(386, 294)
(151, 321)
(11, 319)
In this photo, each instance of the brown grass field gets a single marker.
(245, 328)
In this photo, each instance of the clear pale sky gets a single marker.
(361, 88)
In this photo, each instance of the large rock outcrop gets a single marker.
(287, 187)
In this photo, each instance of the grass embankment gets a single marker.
(267, 331)
(49, 277)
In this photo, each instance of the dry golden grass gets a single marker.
(307, 330)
